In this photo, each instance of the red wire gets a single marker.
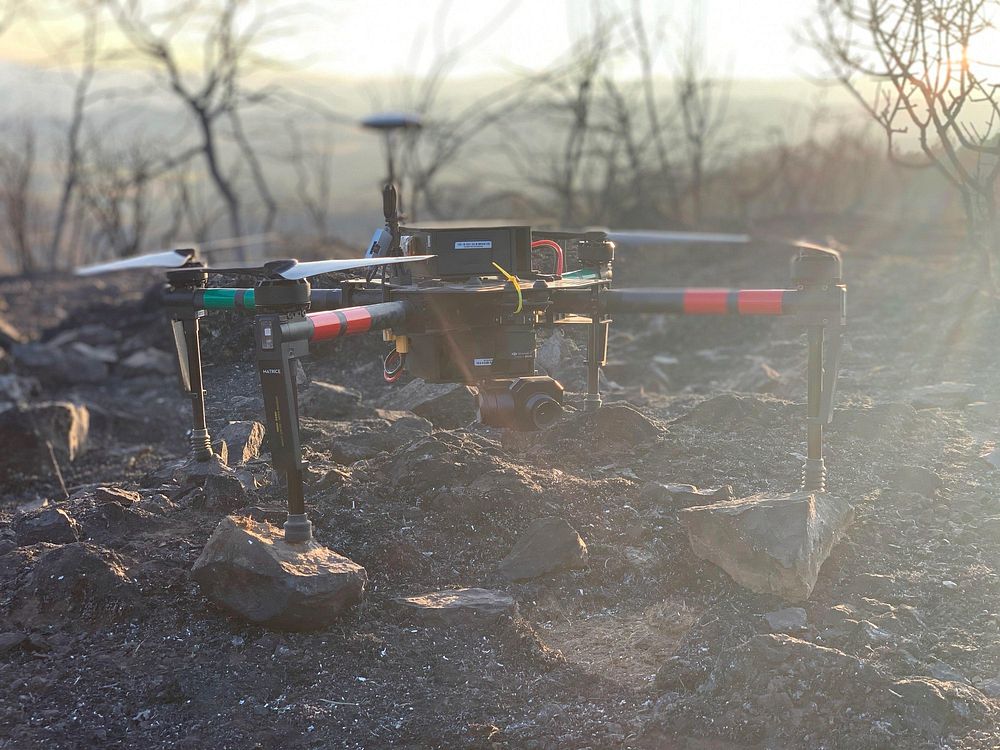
(556, 247)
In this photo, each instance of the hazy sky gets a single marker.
(750, 38)
(376, 38)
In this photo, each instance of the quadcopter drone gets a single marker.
(463, 304)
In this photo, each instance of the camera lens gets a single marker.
(544, 410)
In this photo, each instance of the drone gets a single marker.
(464, 304)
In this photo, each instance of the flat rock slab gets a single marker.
(248, 569)
(548, 545)
(769, 545)
(460, 605)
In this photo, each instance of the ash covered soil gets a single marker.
(105, 640)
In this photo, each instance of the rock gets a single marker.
(9, 335)
(933, 706)
(461, 605)
(58, 365)
(116, 495)
(105, 354)
(243, 439)
(10, 641)
(25, 433)
(991, 687)
(788, 620)
(248, 569)
(916, 479)
(186, 472)
(328, 401)
(224, 492)
(760, 377)
(684, 493)
(612, 430)
(52, 525)
(73, 580)
(729, 411)
(221, 449)
(947, 395)
(148, 361)
(548, 545)
(15, 389)
(770, 545)
(445, 405)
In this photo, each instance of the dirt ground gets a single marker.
(646, 647)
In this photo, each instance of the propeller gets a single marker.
(656, 237)
(290, 269)
(293, 270)
(165, 259)
(174, 258)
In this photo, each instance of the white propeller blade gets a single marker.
(166, 259)
(655, 237)
(317, 267)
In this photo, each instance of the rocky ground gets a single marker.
(612, 633)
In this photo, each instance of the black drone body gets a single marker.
(469, 311)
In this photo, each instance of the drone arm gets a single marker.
(699, 301)
(349, 321)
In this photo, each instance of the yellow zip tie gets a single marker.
(517, 286)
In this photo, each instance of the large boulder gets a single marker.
(460, 605)
(26, 432)
(548, 545)
(445, 405)
(248, 569)
(769, 545)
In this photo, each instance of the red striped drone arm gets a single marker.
(700, 301)
(350, 321)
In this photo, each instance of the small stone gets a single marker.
(788, 620)
(224, 492)
(547, 545)
(770, 545)
(446, 405)
(116, 495)
(52, 525)
(932, 705)
(946, 395)
(16, 389)
(74, 580)
(148, 361)
(454, 605)
(221, 449)
(12, 640)
(26, 433)
(247, 568)
(949, 584)
(328, 401)
(991, 687)
(244, 440)
(916, 479)
(685, 493)
(58, 366)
